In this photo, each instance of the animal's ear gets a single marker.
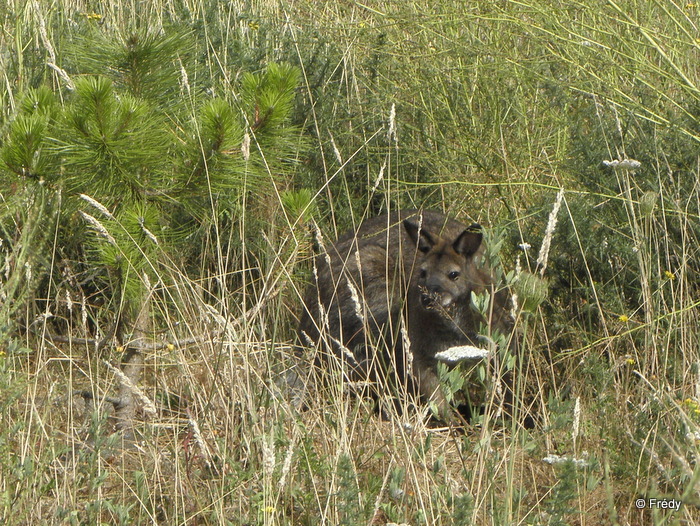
(423, 239)
(469, 241)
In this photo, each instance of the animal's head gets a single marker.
(447, 270)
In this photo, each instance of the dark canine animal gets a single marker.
(402, 281)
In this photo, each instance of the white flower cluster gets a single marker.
(625, 164)
(556, 459)
(462, 353)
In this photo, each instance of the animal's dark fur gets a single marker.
(419, 267)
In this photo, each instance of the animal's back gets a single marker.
(366, 284)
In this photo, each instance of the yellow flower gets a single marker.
(692, 405)
(624, 318)
(630, 361)
(171, 347)
(669, 275)
(253, 25)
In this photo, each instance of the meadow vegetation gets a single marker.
(164, 166)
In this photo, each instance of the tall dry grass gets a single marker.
(497, 106)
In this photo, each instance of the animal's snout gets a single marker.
(435, 298)
(427, 300)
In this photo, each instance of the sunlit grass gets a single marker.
(484, 110)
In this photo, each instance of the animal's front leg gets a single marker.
(431, 391)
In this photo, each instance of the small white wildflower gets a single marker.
(625, 164)
(462, 353)
(96, 204)
(524, 246)
(629, 164)
(245, 146)
(693, 436)
(556, 459)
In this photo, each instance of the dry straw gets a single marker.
(355, 297)
(149, 409)
(96, 204)
(391, 133)
(549, 233)
(99, 227)
(268, 455)
(50, 50)
(201, 444)
(245, 146)
(150, 235)
(286, 465)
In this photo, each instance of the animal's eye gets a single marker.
(453, 275)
